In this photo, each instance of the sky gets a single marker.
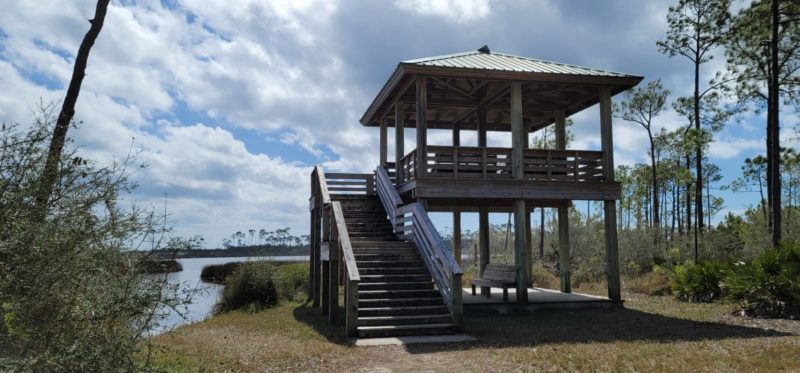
(231, 103)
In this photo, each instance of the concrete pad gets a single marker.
(415, 339)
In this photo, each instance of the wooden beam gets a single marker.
(521, 251)
(606, 133)
(422, 124)
(457, 236)
(561, 131)
(609, 206)
(518, 132)
(483, 242)
(399, 131)
(612, 255)
(563, 249)
(383, 144)
(481, 126)
(529, 242)
(457, 134)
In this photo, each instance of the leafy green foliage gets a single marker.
(657, 282)
(251, 286)
(291, 279)
(769, 286)
(71, 297)
(698, 282)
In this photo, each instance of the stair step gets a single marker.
(363, 264)
(400, 302)
(388, 257)
(395, 278)
(409, 285)
(397, 293)
(411, 329)
(441, 318)
(400, 311)
(393, 270)
(383, 244)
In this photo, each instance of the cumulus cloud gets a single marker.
(185, 80)
(453, 10)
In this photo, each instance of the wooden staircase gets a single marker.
(396, 294)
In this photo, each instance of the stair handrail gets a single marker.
(440, 261)
(387, 194)
(344, 254)
(446, 272)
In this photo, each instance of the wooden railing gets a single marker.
(345, 183)
(342, 251)
(469, 162)
(407, 169)
(333, 247)
(412, 220)
(563, 165)
(387, 194)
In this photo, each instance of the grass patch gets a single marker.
(653, 333)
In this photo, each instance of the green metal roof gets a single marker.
(485, 60)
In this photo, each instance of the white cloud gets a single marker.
(453, 10)
(733, 148)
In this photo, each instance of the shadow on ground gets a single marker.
(314, 318)
(574, 326)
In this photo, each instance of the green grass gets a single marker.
(652, 333)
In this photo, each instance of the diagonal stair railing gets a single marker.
(411, 222)
(335, 248)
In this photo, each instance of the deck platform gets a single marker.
(538, 299)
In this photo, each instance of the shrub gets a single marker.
(543, 278)
(152, 266)
(290, 279)
(656, 282)
(251, 286)
(217, 273)
(72, 297)
(698, 282)
(769, 286)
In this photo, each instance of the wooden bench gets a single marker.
(497, 276)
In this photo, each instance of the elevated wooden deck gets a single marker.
(538, 300)
(461, 173)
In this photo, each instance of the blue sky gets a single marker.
(231, 103)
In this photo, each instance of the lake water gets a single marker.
(206, 294)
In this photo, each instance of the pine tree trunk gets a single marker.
(49, 175)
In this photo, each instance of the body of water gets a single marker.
(206, 294)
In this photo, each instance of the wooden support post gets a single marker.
(563, 249)
(529, 242)
(457, 236)
(518, 133)
(456, 135)
(422, 126)
(483, 242)
(521, 251)
(564, 264)
(351, 312)
(481, 126)
(609, 206)
(326, 270)
(384, 142)
(399, 132)
(333, 286)
(313, 293)
(561, 131)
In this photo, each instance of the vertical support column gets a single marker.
(333, 273)
(351, 312)
(483, 211)
(384, 142)
(529, 240)
(481, 126)
(518, 143)
(457, 235)
(483, 242)
(521, 251)
(563, 249)
(314, 261)
(399, 131)
(518, 133)
(609, 206)
(564, 264)
(422, 126)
